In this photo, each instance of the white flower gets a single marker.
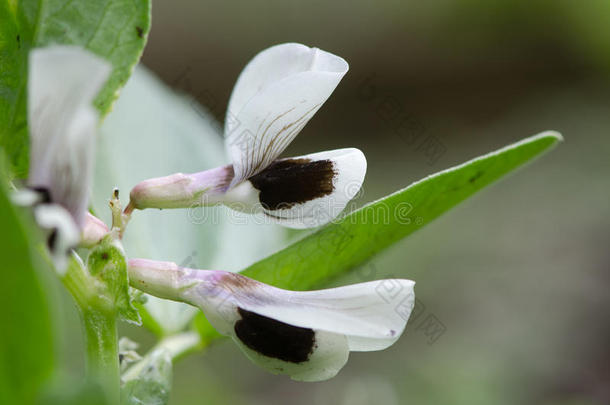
(275, 96)
(62, 84)
(305, 334)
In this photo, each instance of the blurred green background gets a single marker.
(517, 277)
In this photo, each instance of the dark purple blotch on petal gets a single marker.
(52, 239)
(273, 338)
(43, 193)
(44, 197)
(293, 181)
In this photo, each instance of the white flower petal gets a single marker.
(276, 94)
(26, 197)
(64, 234)
(311, 190)
(365, 317)
(305, 334)
(63, 82)
(372, 315)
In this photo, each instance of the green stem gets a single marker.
(99, 322)
(102, 350)
(77, 282)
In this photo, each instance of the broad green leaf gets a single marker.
(107, 263)
(26, 336)
(113, 29)
(153, 132)
(340, 246)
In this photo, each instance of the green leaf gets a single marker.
(26, 339)
(74, 392)
(340, 246)
(114, 29)
(108, 264)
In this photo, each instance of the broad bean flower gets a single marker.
(305, 334)
(275, 96)
(63, 82)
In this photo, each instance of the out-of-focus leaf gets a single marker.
(340, 246)
(149, 320)
(74, 393)
(154, 132)
(205, 329)
(26, 336)
(149, 380)
(107, 263)
(113, 29)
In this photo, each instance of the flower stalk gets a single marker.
(99, 323)
(120, 218)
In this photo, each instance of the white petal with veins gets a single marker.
(276, 94)
(63, 82)
(274, 327)
(372, 315)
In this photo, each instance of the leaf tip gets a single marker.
(554, 136)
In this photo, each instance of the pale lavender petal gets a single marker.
(63, 82)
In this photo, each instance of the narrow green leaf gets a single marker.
(74, 392)
(26, 338)
(340, 246)
(114, 29)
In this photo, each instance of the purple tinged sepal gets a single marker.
(205, 188)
